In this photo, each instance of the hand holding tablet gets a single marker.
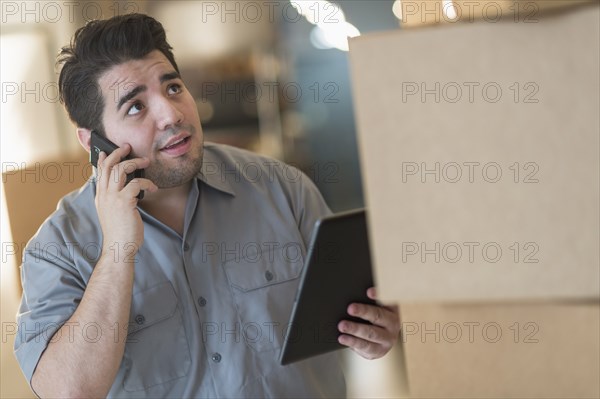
(336, 295)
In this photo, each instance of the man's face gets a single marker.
(148, 106)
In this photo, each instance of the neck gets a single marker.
(168, 205)
(166, 195)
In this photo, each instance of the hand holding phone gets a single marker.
(116, 204)
(100, 143)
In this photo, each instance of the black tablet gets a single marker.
(336, 273)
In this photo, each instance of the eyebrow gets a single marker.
(138, 89)
(169, 76)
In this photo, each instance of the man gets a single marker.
(172, 306)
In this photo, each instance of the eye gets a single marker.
(135, 108)
(174, 88)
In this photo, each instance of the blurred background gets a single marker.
(273, 77)
(269, 76)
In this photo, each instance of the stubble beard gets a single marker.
(165, 176)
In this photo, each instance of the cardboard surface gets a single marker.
(502, 351)
(32, 194)
(479, 150)
(419, 13)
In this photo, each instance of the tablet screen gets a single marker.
(336, 273)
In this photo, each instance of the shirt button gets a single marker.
(202, 301)
(140, 319)
(268, 275)
(186, 246)
(216, 357)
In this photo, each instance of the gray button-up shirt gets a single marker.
(210, 308)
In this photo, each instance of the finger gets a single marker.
(372, 294)
(100, 171)
(120, 171)
(107, 162)
(366, 349)
(378, 315)
(118, 154)
(367, 332)
(133, 188)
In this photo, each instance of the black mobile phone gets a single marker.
(100, 143)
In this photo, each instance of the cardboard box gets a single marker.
(502, 350)
(32, 192)
(500, 271)
(420, 13)
(479, 152)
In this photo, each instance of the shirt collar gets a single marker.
(212, 175)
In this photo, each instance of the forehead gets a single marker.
(125, 76)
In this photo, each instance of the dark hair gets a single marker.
(97, 47)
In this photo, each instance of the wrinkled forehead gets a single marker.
(122, 79)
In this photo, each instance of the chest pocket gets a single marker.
(264, 287)
(157, 349)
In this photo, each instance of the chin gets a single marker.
(174, 175)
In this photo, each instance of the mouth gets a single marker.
(178, 145)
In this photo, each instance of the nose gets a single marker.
(168, 115)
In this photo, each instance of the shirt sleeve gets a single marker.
(310, 207)
(52, 290)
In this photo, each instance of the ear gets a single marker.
(84, 136)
